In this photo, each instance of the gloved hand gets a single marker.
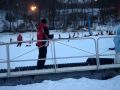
(51, 36)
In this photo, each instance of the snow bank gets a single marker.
(107, 27)
(70, 84)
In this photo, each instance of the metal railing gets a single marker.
(98, 54)
(53, 51)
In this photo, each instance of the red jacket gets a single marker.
(19, 38)
(41, 34)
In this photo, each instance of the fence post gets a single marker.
(54, 54)
(8, 60)
(97, 54)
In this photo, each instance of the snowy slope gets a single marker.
(70, 84)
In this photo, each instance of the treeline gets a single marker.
(61, 14)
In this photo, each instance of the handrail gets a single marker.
(111, 36)
(28, 60)
(97, 54)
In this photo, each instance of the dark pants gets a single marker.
(19, 44)
(42, 55)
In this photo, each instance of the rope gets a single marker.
(24, 54)
(2, 59)
(104, 51)
(75, 48)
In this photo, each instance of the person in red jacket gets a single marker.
(19, 40)
(42, 34)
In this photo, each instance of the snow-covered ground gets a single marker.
(70, 84)
(63, 48)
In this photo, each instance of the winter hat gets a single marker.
(43, 20)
